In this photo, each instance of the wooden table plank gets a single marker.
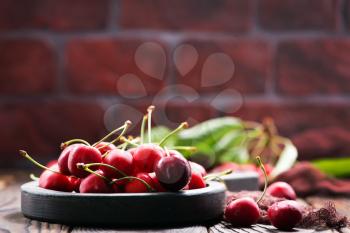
(194, 229)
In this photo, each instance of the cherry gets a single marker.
(54, 180)
(51, 163)
(146, 156)
(94, 183)
(63, 158)
(104, 147)
(75, 182)
(82, 154)
(198, 168)
(242, 212)
(136, 186)
(121, 160)
(284, 215)
(281, 189)
(197, 181)
(173, 171)
(157, 186)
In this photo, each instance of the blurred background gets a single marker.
(76, 69)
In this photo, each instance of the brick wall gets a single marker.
(61, 62)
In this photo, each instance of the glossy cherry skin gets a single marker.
(173, 172)
(83, 154)
(75, 182)
(104, 147)
(157, 186)
(242, 212)
(198, 168)
(52, 163)
(284, 215)
(146, 156)
(136, 186)
(55, 181)
(94, 184)
(122, 160)
(197, 181)
(281, 189)
(63, 158)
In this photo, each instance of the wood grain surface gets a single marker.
(12, 220)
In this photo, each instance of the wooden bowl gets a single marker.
(123, 209)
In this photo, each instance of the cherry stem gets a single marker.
(217, 175)
(261, 165)
(143, 124)
(125, 140)
(166, 151)
(182, 126)
(25, 155)
(126, 127)
(83, 166)
(185, 148)
(87, 165)
(150, 110)
(105, 154)
(113, 132)
(77, 140)
(33, 177)
(149, 187)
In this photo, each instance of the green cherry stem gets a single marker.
(126, 127)
(83, 167)
(261, 165)
(143, 125)
(149, 121)
(111, 133)
(182, 126)
(184, 148)
(125, 140)
(77, 140)
(33, 177)
(217, 175)
(25, 155)
(133, 178)
(87, 165)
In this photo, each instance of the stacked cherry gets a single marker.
(284, 215)
(132, 167)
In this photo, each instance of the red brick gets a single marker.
(252, 61)
(40, 127)
(219, 15)
(96, 65)
(298, 14)
(53, 14)
(27, 66)
(313, 67)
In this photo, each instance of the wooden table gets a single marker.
(11, 219)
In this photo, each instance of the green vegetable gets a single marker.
(337, 167)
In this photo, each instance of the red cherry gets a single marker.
(55, 181)
(82, 154)
(198, 168)
(157, 186)
(196, 181)
(146, 156)
(63, 158)
(284, 215)
(52, 163)
(94, 184)
(104, 147)
(173, 171)
(136, 186)
(132, 151)
(122, 160)
(242, 212)
(281, 189)
(75, 182)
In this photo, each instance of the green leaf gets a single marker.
(337, 167)
(286, 160)
(235, 154)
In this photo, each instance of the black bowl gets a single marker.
(124, 209)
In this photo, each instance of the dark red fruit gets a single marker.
(197, 181)
(75, 182)
(198, 168)
(281, 189)
(63, 158)
(94, 184)
(82, 154)
(284, 215)
(242, 212)
(157, 186)
(104, 147)
(51, 163)
(146, 156)
(55, 181)
(132, 151)
(122, 160)
(173, 172)
(136, 186)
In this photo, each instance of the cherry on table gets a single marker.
(281, 189)
(136, 186)
(284, 215)
(146, 156)
(55, 181)
(121, 160)
(242, 212)
(82, 154)
(94, 184)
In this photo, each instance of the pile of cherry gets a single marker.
(131, 167)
